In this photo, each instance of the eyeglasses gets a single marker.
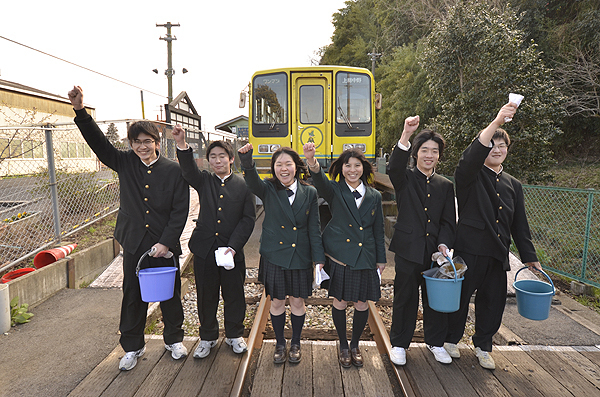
(146, 143)
(501, 146)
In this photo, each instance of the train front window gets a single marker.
(311, 104)
(270, 99)
(353, 104)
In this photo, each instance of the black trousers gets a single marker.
(486, 276)
(210, 279)
(406, 305)
(134, 310)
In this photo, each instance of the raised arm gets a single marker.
(320, 180)
(507, 111)
(256, 185)
(400, 154)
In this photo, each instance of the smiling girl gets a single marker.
(290, 241)
(353, 241)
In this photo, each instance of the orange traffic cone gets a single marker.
(52, 255)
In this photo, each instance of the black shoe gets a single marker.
(357, 359)
(345, 360)
(280, 354)
(295, 354)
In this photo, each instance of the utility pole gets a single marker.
(169, 72)
(374, 56)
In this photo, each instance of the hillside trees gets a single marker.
(473, 59)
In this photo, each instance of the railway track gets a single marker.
(257, 333)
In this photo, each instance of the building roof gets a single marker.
(16, 87)
(225, 126)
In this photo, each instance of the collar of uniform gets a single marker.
(293, 187)
(226, 178)
(496, 173)
(421, 174)
(360, 188)
(152, 163)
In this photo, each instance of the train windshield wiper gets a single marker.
(344, 116)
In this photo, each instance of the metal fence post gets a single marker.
(588, 223)
(52, 177)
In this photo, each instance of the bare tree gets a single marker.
(579, 78)
(21, 142)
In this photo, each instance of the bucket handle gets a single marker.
(543, 272)
(453, 267)
(145, 254)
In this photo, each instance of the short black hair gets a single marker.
(222, 144)
(501, 134)
(335, 170)
(424, 136)
(143, 127)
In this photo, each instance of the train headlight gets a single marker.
(266, 148)
(359, 146)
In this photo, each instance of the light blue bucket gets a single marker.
(157, 284)
(444, 294)
(534, 297)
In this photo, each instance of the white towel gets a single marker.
(516, 99)
(320, 276)
(379, 274)
(225, 260)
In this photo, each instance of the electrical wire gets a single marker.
(79, 66)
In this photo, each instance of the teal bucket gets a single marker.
(444, 294)
(157, 284)
(534, 297)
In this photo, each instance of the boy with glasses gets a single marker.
(154, 201)
(491, 209)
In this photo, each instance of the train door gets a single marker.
(311, 107)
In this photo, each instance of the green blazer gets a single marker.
(354, 236)
(291, 234)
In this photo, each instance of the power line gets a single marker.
(79, 66)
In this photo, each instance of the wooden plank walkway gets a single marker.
(520, 371)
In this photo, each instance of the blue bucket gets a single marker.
(534, 297)
(444, 294)
(157, 284)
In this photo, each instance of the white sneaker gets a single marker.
(129, 360)
(440, 354)
(204, 347)
(398, 355)
(452, 349)
(485, 360)
(177, 350)
(238, 344)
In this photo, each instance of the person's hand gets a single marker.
(443, 250)
(534, 265)
(319, 266)
(381, 268)
(76, 97)
(245, 149)
(411, 124)
(228, 250)
(506, 112)
(161, 250)
(309, 151)
(179, 136)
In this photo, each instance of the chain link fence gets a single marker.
(51, 185)
(565, 230)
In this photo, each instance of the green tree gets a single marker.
(473, 59)
(112, 134)
(405, 92)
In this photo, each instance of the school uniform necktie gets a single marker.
(289, 192)
(356, 194)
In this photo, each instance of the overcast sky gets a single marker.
(220, 43)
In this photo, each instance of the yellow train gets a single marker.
(332, 106)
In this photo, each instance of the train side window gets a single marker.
(270, 99)
(311, 104)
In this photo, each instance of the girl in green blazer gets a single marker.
(290, 240)
(353, 241)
